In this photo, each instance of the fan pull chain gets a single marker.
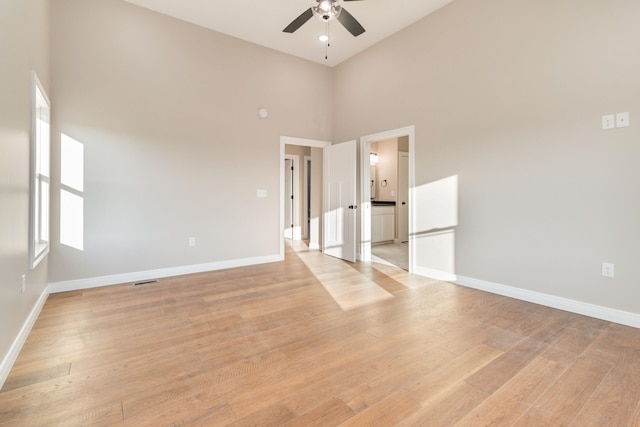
(326, 47)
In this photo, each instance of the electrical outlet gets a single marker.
(608, 121)
(23, 284)
(192, 241)
(608, 269)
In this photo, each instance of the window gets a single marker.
(40, 173)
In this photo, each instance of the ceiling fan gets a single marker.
(328, 10)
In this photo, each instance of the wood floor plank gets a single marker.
(28, 375)
(246, 397)
(612, 403)
(448, 407)
(202, 413)
(272, 415)
(567, 396)
(403, 377)
(317, 341)
(330, 413)
(495, 374)
(432, 384)
(516, 396)
(388, 360)
(170, 407)
(203, 385)
(106, 415)
(387, 412)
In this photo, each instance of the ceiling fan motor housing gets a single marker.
(326, 9)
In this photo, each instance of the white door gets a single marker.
(403, 197)
(339, 196)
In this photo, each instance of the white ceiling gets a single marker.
(262, 22)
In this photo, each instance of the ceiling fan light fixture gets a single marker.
(327, 10)
(323, 38)
(325, 5)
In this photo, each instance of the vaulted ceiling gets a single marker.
(262, 22)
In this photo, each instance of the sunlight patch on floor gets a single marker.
(348, 287)
(394, 253)
(401, 276)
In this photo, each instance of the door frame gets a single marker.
(296, 229)
(399, 217)
(308, 167)
(365, 190)
(290, 140)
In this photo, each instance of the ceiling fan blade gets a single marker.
(350, 23)
(299, 21)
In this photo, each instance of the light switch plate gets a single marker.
(608, 121)
(622, 120)
(608, 269)
(261, 194)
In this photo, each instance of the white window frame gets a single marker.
(40, 176)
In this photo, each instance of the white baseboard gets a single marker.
(11, 357)
(573, 306)
(434, 274)
(94, 282)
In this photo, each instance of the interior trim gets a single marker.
(95, 282)
(573, 306)
(290, 140)
(435, 274)
(12, 355)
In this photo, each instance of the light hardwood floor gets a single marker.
(317, 341)
(394, 253)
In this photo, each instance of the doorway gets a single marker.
(364, 217)
(310, 201)
(393, 183)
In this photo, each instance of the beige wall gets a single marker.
(174, 148)
(508, 97)
(24, 29)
